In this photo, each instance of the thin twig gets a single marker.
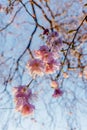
(72, 43)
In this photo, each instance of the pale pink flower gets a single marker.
(27, 109)
(22, 97)
(47, 57)
(54, 42)
(54, 84)
(44, 48)
(57, 45)
(45, 54)
(22, 91)
(36, 67)
(57, 93)
(42, 51)
(51, 66)
(53, 36)
(20, 102)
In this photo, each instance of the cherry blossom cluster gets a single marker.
(45, 59)
(57, 91)
(22, 97)
(54, 41)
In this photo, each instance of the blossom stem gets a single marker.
(29, 83)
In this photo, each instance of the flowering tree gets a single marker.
(43, 64)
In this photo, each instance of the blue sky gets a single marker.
(50, 114)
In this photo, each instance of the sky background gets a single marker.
(68, 111)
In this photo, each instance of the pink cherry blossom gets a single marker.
(54, 84)
(36, 67)
(57, 44)
(42, 51)
(22, 97)
(47, 57)
(51, 66)
(45, 54)
(22, 91)
(57, 92)
(27, 109)
(44, 48)
(54, 42)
